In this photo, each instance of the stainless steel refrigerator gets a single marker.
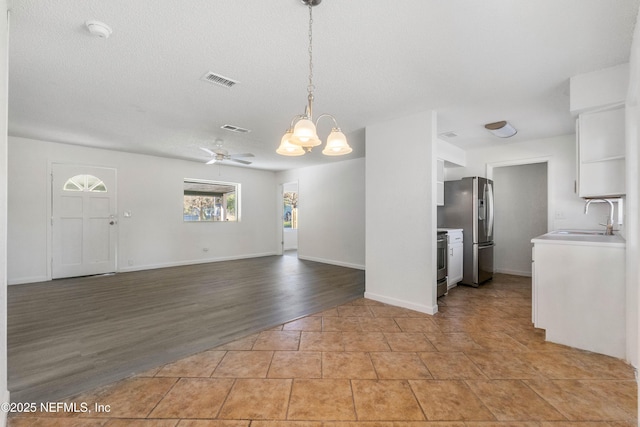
(468, 204)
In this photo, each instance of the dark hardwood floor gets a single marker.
(71, 335)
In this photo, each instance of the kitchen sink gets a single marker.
(579, 232)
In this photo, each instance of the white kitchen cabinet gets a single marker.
(601, 153)
(440, 182)
(579, 291)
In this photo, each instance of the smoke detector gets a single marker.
(98, 29)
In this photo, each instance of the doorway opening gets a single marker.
(290, 219)
(521, 213)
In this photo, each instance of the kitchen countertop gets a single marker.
(565, 237)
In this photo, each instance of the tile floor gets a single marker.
(478, 362)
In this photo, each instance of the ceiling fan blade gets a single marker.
(212, 161)
(209, 152)
(242, 155)
(244, 162)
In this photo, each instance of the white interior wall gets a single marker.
(633, 200)
(4, 392)
(520, 215)
(566, 209)
(401, 212)
(151, 188)
(331, 207)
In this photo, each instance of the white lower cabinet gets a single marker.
(578, 295)
(454, 261)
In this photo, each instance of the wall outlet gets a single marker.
(130, 262)
(560, 215)
(205, 249)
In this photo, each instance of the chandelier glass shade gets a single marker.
(302, 134)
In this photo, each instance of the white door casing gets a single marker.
(83, 221)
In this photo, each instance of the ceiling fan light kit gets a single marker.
(501, 129)
(219, 154)
(302, 135)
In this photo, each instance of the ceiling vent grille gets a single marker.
(237, 129)
(218, 80)
(449, 134)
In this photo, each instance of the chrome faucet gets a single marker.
(609, 224)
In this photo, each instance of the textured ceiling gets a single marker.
(140, 91)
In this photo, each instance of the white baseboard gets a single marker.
(24, 280)
(192, 262)
(35, 279)
(401, 303)
(513, 272)
(332, 262)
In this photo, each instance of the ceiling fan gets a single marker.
(219, 154)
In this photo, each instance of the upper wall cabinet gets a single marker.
(598, 99)
(601, 153)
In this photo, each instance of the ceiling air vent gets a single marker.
(237, 129)
(219, 80)
(449, 134)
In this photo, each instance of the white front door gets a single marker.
(84, 221)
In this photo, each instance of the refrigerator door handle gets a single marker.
(490, 208)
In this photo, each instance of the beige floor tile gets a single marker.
(399, 365)
(130, 398)
(512, 400)
(365, 341)
(417, 324)
(213, 423)
(409, 341)
(605, 367)
(281, 423)
(449, 400)
(56, 422)
(257, 399)
(503, 365)
(354, 311)
(590, 400)
(562, 365)
(497, 341)
(389, 311)
(193, 398)
(199, 365)
(451, 366)
(141, 423)
(380, 400)
(304, 324)
(277, 340)
(326, 399)
(457, 341)
(378, 324)
(296, 364)
(244, 364)
(349, 365)
(321, 341)
(245, 343)
(340, 324)
(511, 424)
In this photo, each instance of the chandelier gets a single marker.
(302, 136)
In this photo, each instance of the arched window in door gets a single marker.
(88, 183)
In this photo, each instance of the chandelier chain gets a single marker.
(310, 88)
